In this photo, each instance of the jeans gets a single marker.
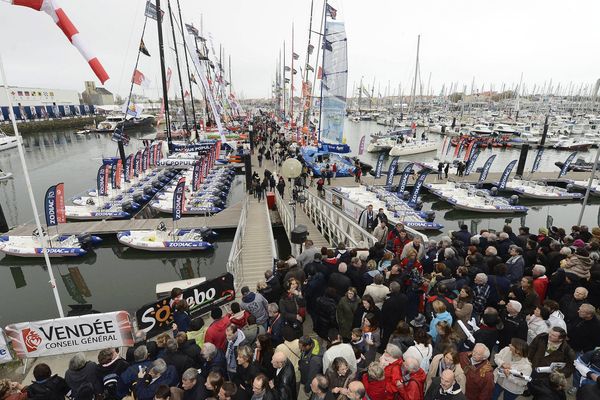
(576, 374)
(507, 395)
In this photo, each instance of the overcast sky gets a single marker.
(492, 42)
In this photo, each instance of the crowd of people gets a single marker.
(474, 315)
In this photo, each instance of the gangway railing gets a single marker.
(286, 214)
(235, 261)
(334, 225)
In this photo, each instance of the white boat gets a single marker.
(31, 246)
(541, 191)
(481, 130)
(467, 197)
(413, 147)
(582, 185)
(503, 129)
(382, 144)
(573, 144)
(161, 239)
(7, 142)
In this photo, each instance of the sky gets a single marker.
(490, 43)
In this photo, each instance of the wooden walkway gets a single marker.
(257, 246)
(226, 219)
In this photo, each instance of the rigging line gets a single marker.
(137, 10)
(187, 66)
(187, 126)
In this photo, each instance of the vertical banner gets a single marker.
(113, 173)
(196, 176)
(128, 168)
(458, 146)
(444, 145)
(155, 155)
(379, 165)
(178, 199)
(137, 163)
(61, 215)
(4, 352)
(404, 178)
(486, 169)
(152, 155)
(389, 180)
(50, 206)
(506, 174)
(361, 146)
(537, 160)
(414, 196)
(100, 181)
(205, 166)
(470, 149)
(118, 173)
(71, 334)
(567, 164)
(471, 162)
(145, 159)
(159, 152)
(218, 147)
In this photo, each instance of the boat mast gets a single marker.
(414, 87)
(292, 73)
(163, 73)
(322, 67)
(187, 66)
(284, 78)
(308, 92)
(187, 127)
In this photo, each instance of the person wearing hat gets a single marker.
(579, 264)
(514, 324)
(419, 322)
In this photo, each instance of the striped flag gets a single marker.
(56, 12)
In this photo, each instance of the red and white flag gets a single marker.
(53, 9)
(140, 79)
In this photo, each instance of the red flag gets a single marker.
(320, 73)
(61, 216)
(118, 173)
(139, 79)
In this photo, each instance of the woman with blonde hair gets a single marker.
(448, 359)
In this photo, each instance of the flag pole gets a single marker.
(30, 191)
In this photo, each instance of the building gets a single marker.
(41, 103)
(98, 96)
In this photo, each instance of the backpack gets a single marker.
(109, 382)
(54, 388)
(84, 392)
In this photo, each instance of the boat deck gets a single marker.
(226, 219)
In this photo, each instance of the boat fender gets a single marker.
(128, 206)
(429, 216)
(405, 195)
(570, 187)
(494, 191)
(419, 205)
(513, 200)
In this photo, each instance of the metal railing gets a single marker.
(274, 252)
(335, 226)
(235, 262)
(286, 214)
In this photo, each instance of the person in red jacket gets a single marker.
(540, 281)
(374, 381)
(391, 361)
(399, 242)
(412, 386)
(215, 333)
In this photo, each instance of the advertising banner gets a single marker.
(71, 334)
(5, 355)
(156, 317)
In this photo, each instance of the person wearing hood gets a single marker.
(252, 330)
(235, 337)
(82, 376)
(445, 387)
(515, 264)
(311, 361)
(440, 314)
(579, 264)
(149, 380)
(256, 305)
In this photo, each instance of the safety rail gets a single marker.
(235, 262)
(286, 215)
(334, 225)
(270, 231)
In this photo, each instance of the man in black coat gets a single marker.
(140, 340)
(339, 281)
(394, 310)
(179, 360)
(445, 387)
(193, 386)
(583, 331)
(46, 386)
(513, 323)
(284, 383)
(273, 290)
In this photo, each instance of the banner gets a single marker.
(404, 178)
(470, 149)
(459, 144)
(192, 147)
(159, 153)
(137, 161)
(152, 155)
(61, 215)
(537, 160)
(156, 317)
(179, 199)
(471, 162)
(196, 177)
(5, 355)
(567, 164)
(414, 196)
(506, 174)
(71, 334)
(50, 206)
(118, 173)
(389, 180)
(128, 168)
(486, 169)
(145, 159)
(379, 165)
(112, 168)
(101, 181)
(361, 146)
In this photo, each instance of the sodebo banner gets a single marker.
(71, 334)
